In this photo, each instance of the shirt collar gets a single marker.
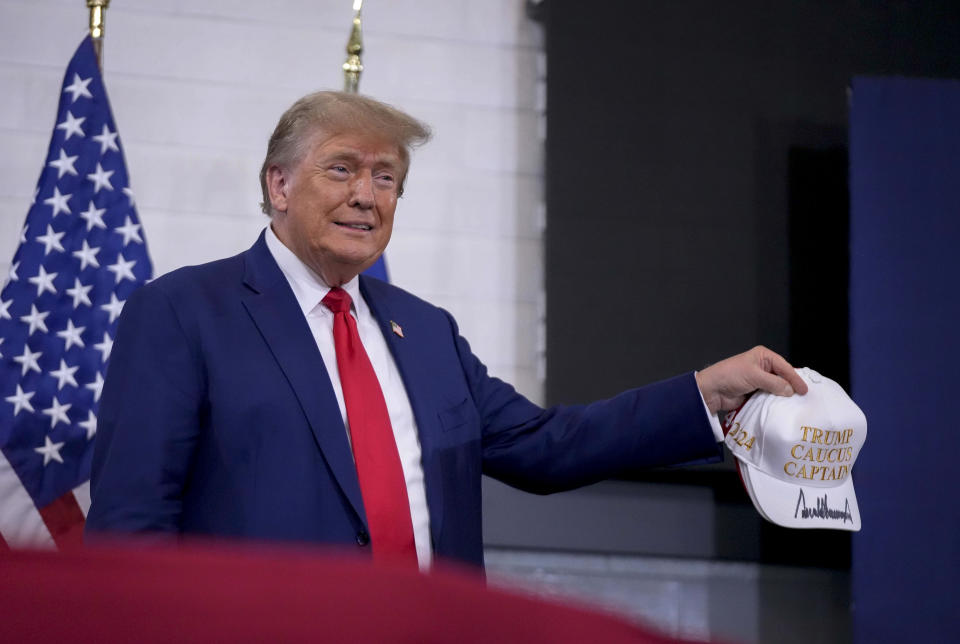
(308, 287)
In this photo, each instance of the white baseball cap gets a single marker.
(795, 455)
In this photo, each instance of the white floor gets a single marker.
(698, 599)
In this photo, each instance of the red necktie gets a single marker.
(382, 484)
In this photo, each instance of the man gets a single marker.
(277, 395)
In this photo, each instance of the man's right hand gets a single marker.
(726, 384)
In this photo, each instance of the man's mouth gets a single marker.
(363, 227)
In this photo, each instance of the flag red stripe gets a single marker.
(64, 519)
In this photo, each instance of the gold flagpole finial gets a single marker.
(97, 10)
(353, 67)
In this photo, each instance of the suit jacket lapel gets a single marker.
(408, 357)
(275, 311)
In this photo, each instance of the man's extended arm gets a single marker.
(548, 450)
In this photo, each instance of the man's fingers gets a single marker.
(795, 380)
(774, 384)
(779, 366)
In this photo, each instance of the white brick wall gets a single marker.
(197, 86)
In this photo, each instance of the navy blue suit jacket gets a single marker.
(218, 417)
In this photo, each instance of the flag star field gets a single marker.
(82, 253)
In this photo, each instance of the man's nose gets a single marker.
(362, 191)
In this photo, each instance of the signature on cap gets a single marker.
(822, 509)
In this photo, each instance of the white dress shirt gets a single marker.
(310, 289)
(714, 421)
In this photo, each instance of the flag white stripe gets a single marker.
(82, 494)
(20, 522)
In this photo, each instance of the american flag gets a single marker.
(82, 253)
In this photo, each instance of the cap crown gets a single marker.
(811, 440)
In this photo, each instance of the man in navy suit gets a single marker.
(226, 412)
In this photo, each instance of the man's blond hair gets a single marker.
(332, 113)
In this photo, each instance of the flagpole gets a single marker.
(97, 10)
(353, 67)
(351, 84)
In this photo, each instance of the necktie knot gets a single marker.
(337, 300)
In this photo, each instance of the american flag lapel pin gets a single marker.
(396, 328)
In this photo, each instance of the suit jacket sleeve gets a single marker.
(564, 447)
(153, 392)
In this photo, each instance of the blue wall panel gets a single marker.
(905, 355)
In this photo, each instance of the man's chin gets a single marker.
(345, 267)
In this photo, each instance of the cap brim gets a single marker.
(800, 506)
(745, 479)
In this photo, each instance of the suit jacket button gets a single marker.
(363, 538)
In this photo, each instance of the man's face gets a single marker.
(335, 208)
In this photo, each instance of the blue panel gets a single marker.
(378, 270)
(905, 324)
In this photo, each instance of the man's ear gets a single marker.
(278, 185)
